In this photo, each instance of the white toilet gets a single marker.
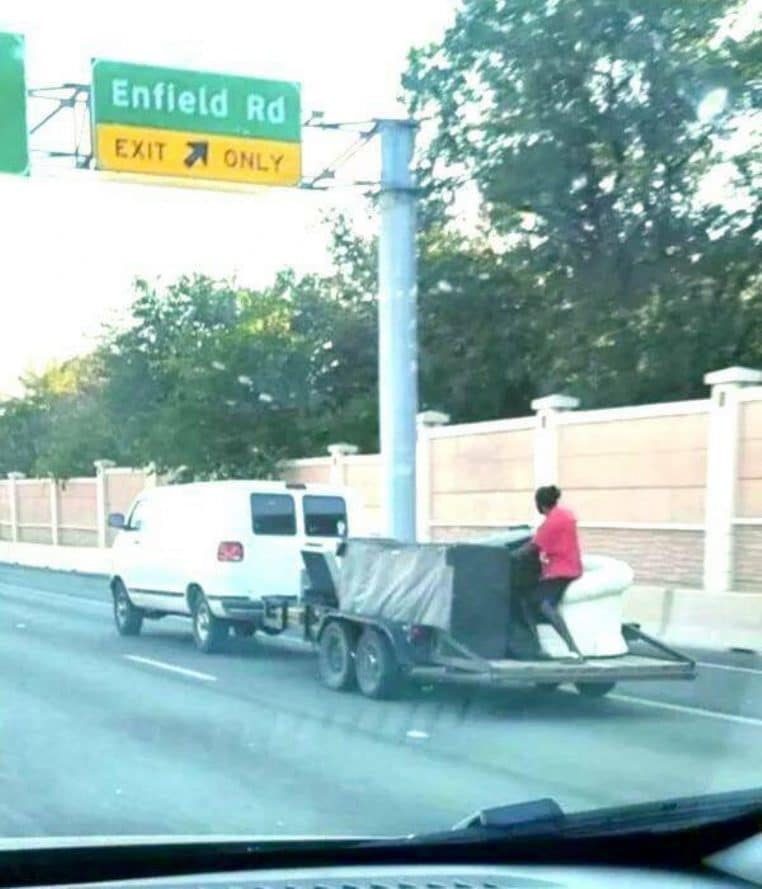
(592, 608)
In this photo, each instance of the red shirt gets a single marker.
(556, 538)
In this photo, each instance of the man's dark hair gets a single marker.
(546, 497)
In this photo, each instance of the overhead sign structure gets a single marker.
(14, 141)
(195, 125)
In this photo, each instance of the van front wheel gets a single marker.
(127, 617)
(209, 632)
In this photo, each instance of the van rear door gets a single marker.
(275, 560)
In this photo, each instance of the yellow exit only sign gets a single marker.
(129, 149)
(195, 124)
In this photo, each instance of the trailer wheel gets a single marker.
(376, 666)
(335, 661)
(594, 689)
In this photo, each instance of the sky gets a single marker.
(71, 242)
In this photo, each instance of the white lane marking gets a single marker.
(729, 667)
(20, 626)
(160, 665)
(417, 734)
(33, 593)
(683, 708)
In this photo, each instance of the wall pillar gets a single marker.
(722, 473)
(425, 422)
(55, 522)
(339, 452)
(101, 499)
(548, 409)
(13, 498)
(150, 476)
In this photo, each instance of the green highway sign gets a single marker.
(194, 125)
(14, 142)
(194, 101)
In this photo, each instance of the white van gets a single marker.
(227, 554)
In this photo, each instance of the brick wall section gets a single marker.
(74, 537)
(35, 535)
(659, 557)
(748, 558)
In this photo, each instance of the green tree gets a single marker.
(205, 377)
(585, 128)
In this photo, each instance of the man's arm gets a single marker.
(526, 549)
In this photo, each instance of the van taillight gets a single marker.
(230, 551)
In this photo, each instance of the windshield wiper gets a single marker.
(544, 818)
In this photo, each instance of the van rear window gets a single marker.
(325, 516)
(273, 514)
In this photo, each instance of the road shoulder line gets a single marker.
(684, 708)
(170, 668)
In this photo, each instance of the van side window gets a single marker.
(325, 516)
(273, 514)
(138, 516)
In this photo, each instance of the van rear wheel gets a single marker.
(335, 657)
(127, 617)
(209, 632)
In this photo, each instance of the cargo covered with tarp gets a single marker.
(463, 589)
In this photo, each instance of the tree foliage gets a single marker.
(585, 128)
(612, 252)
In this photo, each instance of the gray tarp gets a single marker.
(410, 583)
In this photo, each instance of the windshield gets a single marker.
(442, 321)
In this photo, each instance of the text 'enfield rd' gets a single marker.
(199, 102)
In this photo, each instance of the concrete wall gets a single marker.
(78, 519)
(5, 512)
(637, 477)
(66, 513)
(481, 477)
(362, 473)
(748, 524)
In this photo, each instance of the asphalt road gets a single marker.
(104, 735)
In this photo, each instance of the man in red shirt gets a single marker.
(558, 546)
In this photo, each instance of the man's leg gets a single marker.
(553, 615)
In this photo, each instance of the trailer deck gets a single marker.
(618, 669)
(454, 662)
